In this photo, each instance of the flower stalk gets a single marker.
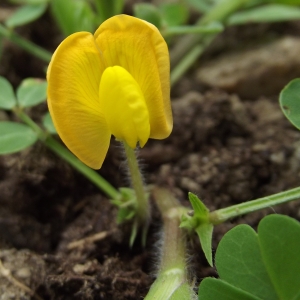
(172, 280)
(142, 214)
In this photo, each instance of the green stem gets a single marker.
(27, 120)
(25, 44)
(222, 215)
(93, 176)
(65, 154)
(108, 8)
(142, 205)
(186, 45)
(222, 10)
(185, 63)
(176, 30)
(172, 280)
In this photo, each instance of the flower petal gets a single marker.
(73, 86)
(124, 106)
(138, 47)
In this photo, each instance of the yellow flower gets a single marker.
(115, 82)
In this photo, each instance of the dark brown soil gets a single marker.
(224, 148)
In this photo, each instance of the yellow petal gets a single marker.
(124, 107)
(73, 86)
(138, 47)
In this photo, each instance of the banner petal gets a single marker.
(139, 48)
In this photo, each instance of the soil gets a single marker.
(226, 147)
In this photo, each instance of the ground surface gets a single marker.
(228, 146)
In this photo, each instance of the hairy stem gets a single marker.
(142, 204)
(172, 280)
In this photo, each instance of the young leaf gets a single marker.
(48, 123)
(199, 222)
(31, 92)
(15, 137)
(200, 210)
(266, 13)
(264, 265)
(203, 228)
(205, 232)
(290, 102)
(126, 203)
(26, 14)
(7, 95)
(148, 12)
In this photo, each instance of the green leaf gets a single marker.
(279, 238)
(73, 16)
(7, 95)
(48, 123)
(264, 265)
(148, 12)
(15, 137)
(31, 92)
(25, 15)
(239, 262)
(174, 14)
(214, 289)
(290, 102)
(264, 14)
